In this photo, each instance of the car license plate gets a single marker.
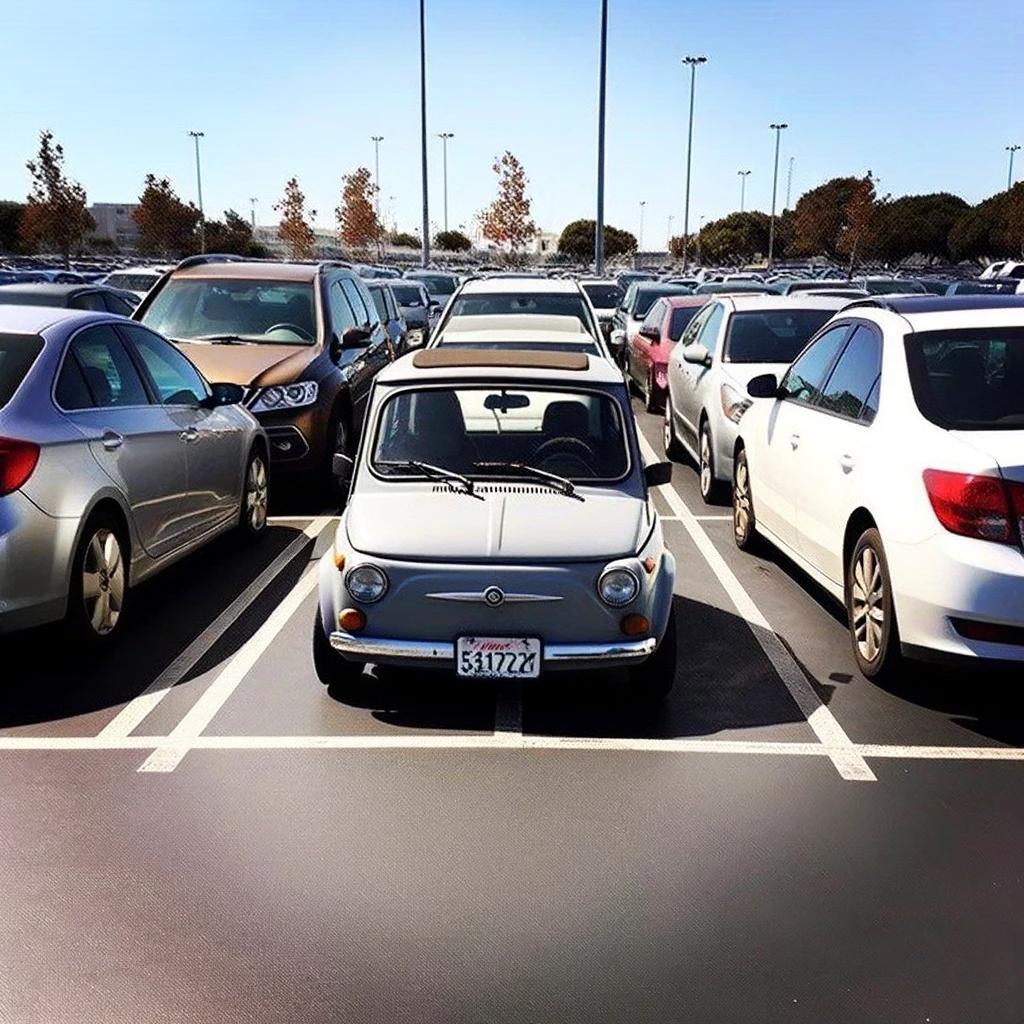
(491, 657)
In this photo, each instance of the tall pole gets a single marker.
(640, 241)
(602, 75)
(693, 62)
(671, 217)
(700, 231)
(423, 130)
(444, 137)
(743, 189)
(252, 204)
(789, 183)
(377, 140)
(1009, 174)
(778, 129)
(196, 136)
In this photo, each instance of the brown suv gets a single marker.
(304, 339)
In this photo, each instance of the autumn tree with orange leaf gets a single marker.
(507, 220)
(294, 230)
(357, 221)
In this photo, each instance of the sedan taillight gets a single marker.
(986, 507)
(17, 461)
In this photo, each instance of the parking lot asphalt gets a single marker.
(196, 830)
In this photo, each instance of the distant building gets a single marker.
(114, 221)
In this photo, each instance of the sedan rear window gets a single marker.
(604, 296)
(778, 336)
(17, 354)
(506, 303)
(971, 379)
(646, 297)
(502, 432)
(407, 294)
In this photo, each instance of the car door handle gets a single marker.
(112, 440)
(794, 440)
(846, 461)
(189, 435)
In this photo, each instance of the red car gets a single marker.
(647, 355)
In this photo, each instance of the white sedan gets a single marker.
(889, 465)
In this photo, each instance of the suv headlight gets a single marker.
(617, 587)
(285, 396)
(366, 583)
(734, 405)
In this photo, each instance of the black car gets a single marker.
(418, 311)
(70, 296)
(384, 299)
(304, 340)
(440, 286)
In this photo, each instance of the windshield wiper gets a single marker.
(565, 486)
(223, 339)
(437, 473)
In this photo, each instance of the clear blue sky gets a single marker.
(924, 93)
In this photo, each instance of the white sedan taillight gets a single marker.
(986, 507)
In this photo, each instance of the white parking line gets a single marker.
(849, 763)
(184, 735)
(699, 519)
(135, 711)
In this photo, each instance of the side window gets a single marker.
(855, 376)
(89, 300)
(177, 381)
(694, 326)
(380, 302)
(343, 317)
(115, 304)
(655, 316)
(712, 327)
(355, 300)
(72, 392)
(109, 373)
(804, 378)
(628, 299)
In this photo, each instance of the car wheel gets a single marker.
(651, 403)
(652, 680)
(252, 516)
(98, 593)
(331, 668)
(869, 607)
(709, 488)
(743, 521)
(673, 450)
(338, 444)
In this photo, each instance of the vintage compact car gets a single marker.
(499, 525)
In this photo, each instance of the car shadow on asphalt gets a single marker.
(48, 679)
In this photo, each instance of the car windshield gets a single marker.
(771, 336)
(437, 284)
(484, 431)
(680, 319)
(17, 354)
(407, 294)
(604, 296)
(268, 312)
(646, 297)
(971, 379)
(506, 303)
(894, 287)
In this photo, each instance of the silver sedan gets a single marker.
(116, 459)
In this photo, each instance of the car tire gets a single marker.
(652, 680)
(651, 403)
(710, 490)
(98, 594)
(331, 668)
(673, 449)
(255, 502)
(871, 614)
(744, 522)
(337, 444)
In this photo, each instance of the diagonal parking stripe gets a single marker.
(840, 748)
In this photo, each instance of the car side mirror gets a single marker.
(765, 386)
(657, 474)
(356, 337)
(224, 394)
(342, 466)
(697, 354)
(651, 333)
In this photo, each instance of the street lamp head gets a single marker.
(446, 135)
(744, 173)
(694, 60)
(196, 135)
(376, 138)
(778, 127)
(1012, 149)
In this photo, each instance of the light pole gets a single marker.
(700, 231)
(692, 62)
(602, 77)
(444, 137)
(1009, 174)
(376, 140)
(252, 204)
(743, 189)
(789, 183)
(778, 129)
(196, 136)
(640, 241)
(423, 130)
(671, 217)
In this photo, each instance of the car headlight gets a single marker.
(366, 583)
(618, 587)
(286, 396)
(734, 405)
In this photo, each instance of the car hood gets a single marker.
(259, 365)
(1004, 447)
(415, 523)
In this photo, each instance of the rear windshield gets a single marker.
(775, 336)
(17, 354)
(646, 297)
(407, 295)
(604, 296)
(971, 379)
(896, 287)
(506, 303)
(439, 284)
(680, 319)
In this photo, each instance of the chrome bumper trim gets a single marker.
(426, 650)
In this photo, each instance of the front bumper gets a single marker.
(427, 653)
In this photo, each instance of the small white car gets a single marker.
(888, 463)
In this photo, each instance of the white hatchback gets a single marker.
(889, 465)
